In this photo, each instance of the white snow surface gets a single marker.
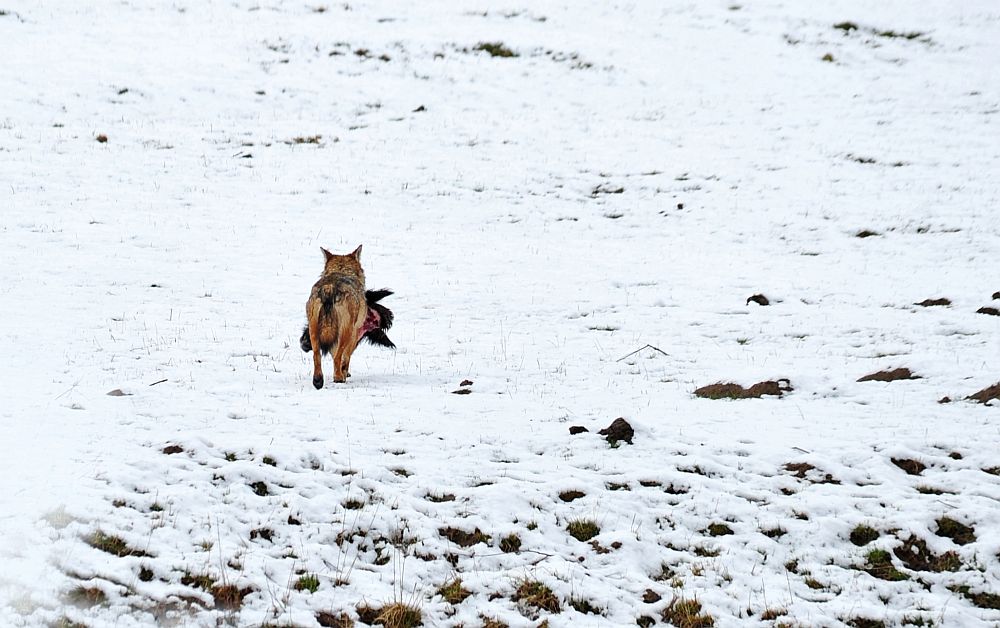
(172, 263)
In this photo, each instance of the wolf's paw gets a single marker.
(340, 380)
(318, 381)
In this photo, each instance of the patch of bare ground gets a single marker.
(889, 375)
(991, 311)
(331, 620)
(912, 467)
(957, 532)
(735, 391)
(463, 538)
(934, 302)
(914, 554)
(990, 393)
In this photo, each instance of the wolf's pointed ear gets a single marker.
(326, 254)
(357, 253)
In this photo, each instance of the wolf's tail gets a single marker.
(304, 341)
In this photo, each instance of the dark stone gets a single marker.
(577, 429)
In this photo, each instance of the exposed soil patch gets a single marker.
(863, 535)
(957, 532)
(889, 376)
(996, 295)
(991, 311)
(982, 600)
(496, 49)
(329, 620)
(912, 467)
(735, 391)
(934, 302)
(463, 538)
(759, 299)
(568, 496)
(866, 233)
(914, 554)
(173, 449)
(577, 429)
(987, 394)
(879, 564)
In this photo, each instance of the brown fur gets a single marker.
(336, 311)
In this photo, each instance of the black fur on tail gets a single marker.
(376, 336)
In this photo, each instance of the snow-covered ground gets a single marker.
(631, 176)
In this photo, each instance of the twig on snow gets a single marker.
(647, 346)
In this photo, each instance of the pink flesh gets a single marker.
(372, 320)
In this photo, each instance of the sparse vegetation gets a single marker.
(453, 592)
(583, 529)
(307, 582)
(686, 613)
(957, 532)
(510, 543)
(879, 564)
(113, 545)
(496, 49)
(533, 595)
(863, 535)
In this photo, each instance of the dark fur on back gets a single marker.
(376, 336)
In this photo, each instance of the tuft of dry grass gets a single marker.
(583, 529)
(686, 613)
(399, 615)
(535, 595)
(453, 592)
(112, 545)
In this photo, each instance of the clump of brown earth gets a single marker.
(889, 376)
(735, 391)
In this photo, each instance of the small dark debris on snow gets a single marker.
(846, 26)
(496, 49)
(619, 430)
(462, 391)
(889, 376)
(799, 469)
(759, 299)
(651, 597)
(577, 429)
(912, 467)
(420, 109)
(466, 382)
(606, 189)
(173, 449)
(735, 391)
(934, 302)
(992, 311)
(944, 400)
(996, 295)
(987, 394)
(568, 496)
(827, 57)
(866, 233)
(118, 392)
(102, 138)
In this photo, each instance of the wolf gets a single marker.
(336, 311)
(377, 318)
